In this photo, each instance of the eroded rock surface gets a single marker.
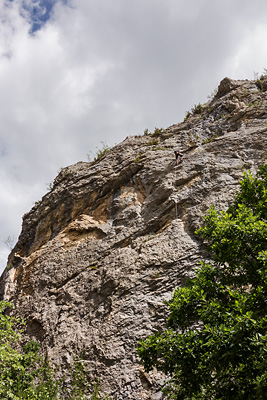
(110, 242)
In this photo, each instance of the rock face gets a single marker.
(103, 250)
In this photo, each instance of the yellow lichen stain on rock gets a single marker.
(57, 220)
(100, 213)
(192, 181)
(84, 227)
(16, 272)
(97, 207)
(78, 208)
(83, 223)
(141, 193)
(23, 273)
(51, 222)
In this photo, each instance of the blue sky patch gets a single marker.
(39, 11)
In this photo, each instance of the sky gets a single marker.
(75, 74)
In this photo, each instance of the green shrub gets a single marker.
(158, 132)
(100, 153)
(139, 157)
(152, 142)
(188, 114)
(198, 109)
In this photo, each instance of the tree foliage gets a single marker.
(215, 342)
(25, 375)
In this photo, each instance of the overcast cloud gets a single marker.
(75, 73)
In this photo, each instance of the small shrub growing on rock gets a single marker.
(139, 157)
(187, 115)
(100, 153)
(158, 132)
(198, 109)
(153, 142)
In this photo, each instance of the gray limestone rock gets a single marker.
(107, 246)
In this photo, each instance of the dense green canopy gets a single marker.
(215, 343)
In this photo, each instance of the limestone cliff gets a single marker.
(103, 250)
